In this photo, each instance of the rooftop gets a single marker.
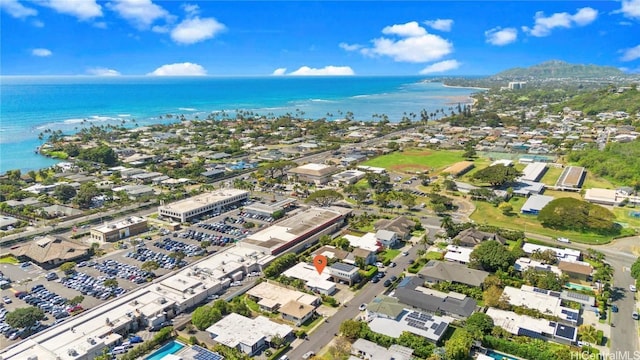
(198, 201)
(50, 248)
(447, 271)
(273, 295)
(235, 329)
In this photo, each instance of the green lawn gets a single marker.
(389, 254)
(592, 181)
(412, 160)
(488, 214)
(623, 216)
(309, 324)
(434, 255)
(9, 259)
(551, 176)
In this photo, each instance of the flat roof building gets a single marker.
(458, 254)
(411, 292)
(524, 263)
(315, 282)
(571, 178)
(271, 297)
(294, 233)
(246, 334)
(348, 177)
(318, 174)
(523, 325)
(565, 254)
(119, 230)
(195, 206)
(545, 301)
(535, 203)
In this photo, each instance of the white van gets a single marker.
(284, 357)
(119, 350)
(564, 240)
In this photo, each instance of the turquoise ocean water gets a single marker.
(30, 105)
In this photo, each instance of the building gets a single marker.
(566, 254)
(524, 263)
(388, 239)
(247, 335)
(460, 168)
(471, 237)
(367, 241)
(576, 270)
(527, 188)
(372, 169)
(517, 85)
(545, 301)
(331, 252)
(535, 203)
(348, 177)
(610, 197)
(389, 317)
(196, 206)
(135, 191)
(7, 221)
(272, 296)
(119, 230)
(344, 273)
(318, 283)
(274, 210)
(440, 271)
(49, 250)
(411, 292)
(365, 349)
(534, 171)
(402, 226)
(571, 178)
(523, 325)
(458, 254)
(296, 312)
(318, 174)
(296, 233)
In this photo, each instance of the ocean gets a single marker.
(31, 105)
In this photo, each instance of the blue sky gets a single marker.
(238, 38)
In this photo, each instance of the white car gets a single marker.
(308, 355)
(632, 288)
(362, 307)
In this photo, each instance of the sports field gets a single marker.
(413, 160)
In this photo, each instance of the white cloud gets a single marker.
(100, 71)
(81, 9)
(630, 9)
(141, 13)
(37, 23)
(279, 71)
(413, 45)
(405, 30)
(191, 9)
(441, 66)
(499, 36)
(41, 52)
(16, 9)
(191, 31)
(631, 54)
(179, 69)
(439, 24)
(350, 47)
(325, 71)
(543, 25)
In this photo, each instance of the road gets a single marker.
(326, 332)
(624, 333)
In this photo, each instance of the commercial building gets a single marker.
(49, 250)
(348, 177)
(318, 174)
(571, 178)
(545, 301)
(275, 210)
(411, 292)
(297, 232)
(535, 203)
(439, 271)
(609, 197)
(246, 334)
(119, 230)
(523, 325)
(196, 206)
(534, 171)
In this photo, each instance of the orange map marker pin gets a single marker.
(320, 262)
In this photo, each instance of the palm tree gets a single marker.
(588, 334)
(447, 224)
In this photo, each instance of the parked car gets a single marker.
(632, 288)
(362, 307)
(308, 355)
(614, 308)
(387, 283)
(635, 315)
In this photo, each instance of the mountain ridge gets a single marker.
(558, 69)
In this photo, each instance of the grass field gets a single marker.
(551, 176)
(623, 216)
(488, 214)
(592, 181)
(413, 160)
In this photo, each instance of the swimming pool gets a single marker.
(498, 356)
(577, 287)
(170, 348)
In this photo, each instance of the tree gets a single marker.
(324, 198)
(506, 208)
(85, 195)
(112, 283)
(496, 175)
(69, 267)
(76, 300)
(479, 324)
(493, 297)
(277, 341)
(448, 225)
(635, 269)
(150, 265)
(491, 256)
(24, 317)
(351, 329)
(64, 192)
(101, 154)
(578, 215)
(458, 346)
(588, 334)
(548, 256)
(178, 255)
(205, 316)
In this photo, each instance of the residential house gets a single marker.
(471, 237)
(411, 292)
(576, 270)
(439, 271)
(365, 349)
(387, 238)
(402, 226)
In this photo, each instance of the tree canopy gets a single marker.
(496, 175)
(618, 161)
(578, 215)
(24, 317)
(101, 154)
(324, 198)
(491, 256)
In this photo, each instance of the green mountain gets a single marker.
(559, 69)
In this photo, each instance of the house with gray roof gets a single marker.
(411, 292)
(471, 237)
(439, 271)
(387, 238)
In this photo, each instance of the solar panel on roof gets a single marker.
(434, 325)
(440, 329)
(578, 296)
(541, 291)
(204, 354)
(529, 333)
(554, 294)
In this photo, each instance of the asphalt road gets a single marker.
(326, 332)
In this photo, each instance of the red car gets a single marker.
(76, 308)
(20, 293)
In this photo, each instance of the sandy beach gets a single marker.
(465, 87)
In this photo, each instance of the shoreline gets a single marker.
(465, 87)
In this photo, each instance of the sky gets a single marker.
(311, 38)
